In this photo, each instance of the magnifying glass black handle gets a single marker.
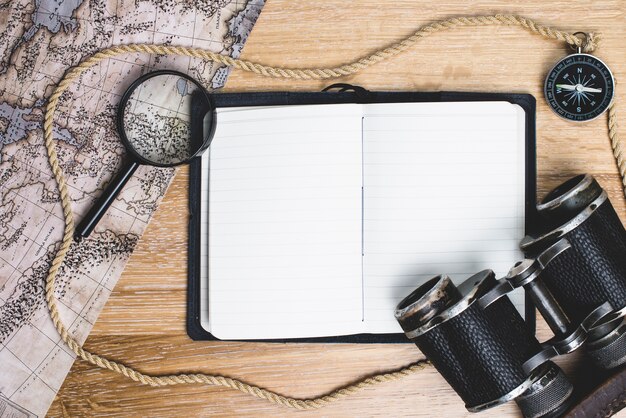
(96, 213)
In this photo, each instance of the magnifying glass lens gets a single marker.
(165, 119)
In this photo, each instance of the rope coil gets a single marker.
(588, 44)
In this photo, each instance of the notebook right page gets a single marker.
(444, 192)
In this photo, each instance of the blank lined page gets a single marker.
(284, 245)
(443, 193)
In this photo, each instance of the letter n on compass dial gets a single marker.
(579, 88)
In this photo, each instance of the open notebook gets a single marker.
(322, 217)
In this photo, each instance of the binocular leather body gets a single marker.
(574, 274)
(480, 352)
(593, 270)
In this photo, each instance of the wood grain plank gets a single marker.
(143, 322)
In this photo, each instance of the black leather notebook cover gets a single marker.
(346, 94)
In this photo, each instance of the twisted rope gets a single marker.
(616, 145)
(292, 73)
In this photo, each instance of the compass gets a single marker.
(579, 88)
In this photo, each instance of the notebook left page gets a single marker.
(284, 224)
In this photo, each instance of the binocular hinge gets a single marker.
(525, 273)
(558, 347)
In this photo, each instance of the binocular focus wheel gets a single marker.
(610, 351)
(549, 395)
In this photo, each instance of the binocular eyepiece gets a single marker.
(574, 274)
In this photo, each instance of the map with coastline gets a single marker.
(39, 40)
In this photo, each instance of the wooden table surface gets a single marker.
(143, 323)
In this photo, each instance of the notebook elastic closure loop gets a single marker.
(361, 93)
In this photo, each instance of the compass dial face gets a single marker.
(579, 88)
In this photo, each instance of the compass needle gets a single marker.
(582, 97)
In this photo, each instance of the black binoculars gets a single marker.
(574, 274)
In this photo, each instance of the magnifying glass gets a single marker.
(164, 119)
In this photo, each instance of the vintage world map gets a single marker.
(39, 41)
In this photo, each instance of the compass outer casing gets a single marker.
(548, 89)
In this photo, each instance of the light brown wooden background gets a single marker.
(143, 323)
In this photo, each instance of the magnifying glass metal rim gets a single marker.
(97, 211)
(208, 136)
